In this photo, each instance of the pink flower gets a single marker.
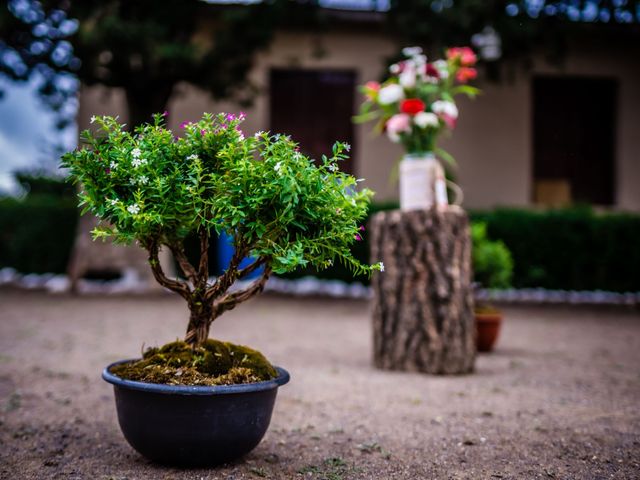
(399, 123)
(464, 54)
(184, 124)
(375, 86)
(165, 113)
(202, 132)
(371, 90)
(362, 229)
(465, 74)
(448, 120)
(357, 237)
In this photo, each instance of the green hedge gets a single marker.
(570, 249)
(573, 249)
(36, 234)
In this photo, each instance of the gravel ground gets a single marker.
(559, 398)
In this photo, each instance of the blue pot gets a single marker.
(194, 425)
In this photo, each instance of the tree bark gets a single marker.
(423, 316)
(199, 322)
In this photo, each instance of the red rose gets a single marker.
(412, 106)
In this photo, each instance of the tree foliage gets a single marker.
(523, 26)
(279, 206)
(145, 47)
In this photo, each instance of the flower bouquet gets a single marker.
(414, 106)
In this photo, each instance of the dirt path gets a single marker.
(560, 398)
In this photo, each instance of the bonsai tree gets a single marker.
(280, 207)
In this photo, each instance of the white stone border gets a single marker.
(312, 286)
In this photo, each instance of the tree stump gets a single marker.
(423, 317)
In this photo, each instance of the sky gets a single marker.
(26, 130)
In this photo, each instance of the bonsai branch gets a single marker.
(252, 268)
(230, 300)
(183, 261)
(230, 275)
(203, 267)
(174, 285)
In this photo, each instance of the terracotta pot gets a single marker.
(487, 328)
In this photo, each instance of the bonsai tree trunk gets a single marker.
(423, 316)
(207, 301)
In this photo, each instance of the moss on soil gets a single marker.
(213, 363)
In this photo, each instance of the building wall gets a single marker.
(492, 142)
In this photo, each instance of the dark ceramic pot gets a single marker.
(194, 425)
(488, 328)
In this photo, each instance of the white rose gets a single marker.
(408, 77)
(411, 51)
(426, 119)
(448, 108)
(419, 60)
(390, 94)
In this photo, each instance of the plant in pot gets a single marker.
(493, 268)
(202, 401)
(414, 106)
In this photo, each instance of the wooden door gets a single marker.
(574, 139)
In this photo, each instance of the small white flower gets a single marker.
(193, 156)
(241, 136)
(258, 134)
(381, 265)
(113, 202)
(132, 181)
(426, 119)
(136, 162)
(347, 147)
(133, 209)
(143, 180)
(411, 51)
(333, 167)
(278, 167)
(113, 165)
(93, 119)
(394, 69)
(390, 94)
(359, 180)
(135, 153)
(448, 108)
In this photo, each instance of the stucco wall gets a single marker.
(493, 140)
